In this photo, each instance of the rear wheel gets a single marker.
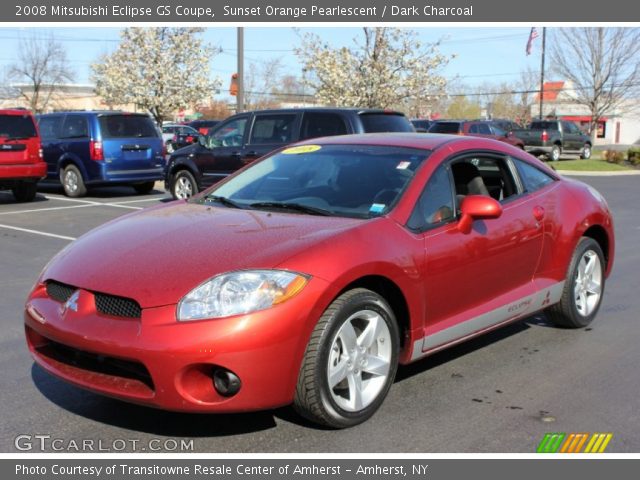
(144, 188)
(554, 154)
(583, 288)
(586, 152)
(350, 361)
(184, 185)
(72, 182)
(25, 191)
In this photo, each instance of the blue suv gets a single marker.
(84, 149)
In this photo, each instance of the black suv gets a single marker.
(242, 138)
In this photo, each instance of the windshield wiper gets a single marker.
(227, 202)
(298, 207)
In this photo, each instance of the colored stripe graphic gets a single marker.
(573, 442)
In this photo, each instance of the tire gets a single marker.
(583, 289)
(183, 185)
(586, 152)
(144, 188)
(554, 154)
(72, 182)
(25, 191)
(350, 362)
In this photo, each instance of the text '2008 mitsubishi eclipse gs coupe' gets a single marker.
(308, 276)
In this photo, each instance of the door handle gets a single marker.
(538, 213)
(252, 153)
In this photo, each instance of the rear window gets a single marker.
(445, 127)
(17, 126)
(385, 122)
(127, 126)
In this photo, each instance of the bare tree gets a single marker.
(42, 65)
(260, 81)
(602, 63)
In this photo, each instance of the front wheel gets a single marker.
(586, 152)
(350, 361)
(184, 185)
(583, 288)
(72, 182)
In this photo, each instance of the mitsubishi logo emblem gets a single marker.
(71, 303)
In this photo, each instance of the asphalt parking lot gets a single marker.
(498, 393)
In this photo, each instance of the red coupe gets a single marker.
(308, 276)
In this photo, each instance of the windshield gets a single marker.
(127, 126)
(445, 127)
(17, 126)
(359, 181)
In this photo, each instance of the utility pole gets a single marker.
(544, 41)
(240, 96)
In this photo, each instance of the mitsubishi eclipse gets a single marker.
(307, 277)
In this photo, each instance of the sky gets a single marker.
(491, 54)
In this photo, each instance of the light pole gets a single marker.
(240, 96)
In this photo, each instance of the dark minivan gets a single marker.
(97, 148)
(242, 138)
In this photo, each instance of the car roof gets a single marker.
(15, 111)
(96, 112)
(328, 110)
(425, 141)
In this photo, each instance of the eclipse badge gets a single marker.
(71, 303)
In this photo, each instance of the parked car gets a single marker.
(553, 138)
(93, 148)
(308, 277)
(177, 136)
(476, 128)
(21, 164)
(242, 138)
(421, 124)
(203, 126)
(504, 124)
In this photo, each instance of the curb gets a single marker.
(619, 173)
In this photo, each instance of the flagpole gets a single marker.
(544, 38)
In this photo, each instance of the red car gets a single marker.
(476, 128)
(21, 163)
(309, 275)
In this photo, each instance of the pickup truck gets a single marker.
(553, 138)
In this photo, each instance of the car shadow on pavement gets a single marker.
(146, 419)
(468, 346)
(7, 198)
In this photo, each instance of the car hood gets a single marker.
(158, 255)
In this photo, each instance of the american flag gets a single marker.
(532, 36)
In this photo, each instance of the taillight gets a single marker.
(545, 136)
(95, 150)
(40, 154)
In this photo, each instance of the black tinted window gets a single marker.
(17, 126)
(322, 125)
(532, 178)
(75, 126)
(50, 126)
(385, 122)
(435, 205)
(541, 125)
(445, 127)
(273, 129)
(127, 126)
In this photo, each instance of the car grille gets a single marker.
(105, 304)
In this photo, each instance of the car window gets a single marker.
(17, 126)
(484, 129)
(474, 128)
(50, 127)
(435, 205)
(315, 124)
(445, 127)
(75, 126)
(272, 129)
(230, 134)
(358, 181)
(483, 175)
(168, 129)
(498, 131)
(570, 127)
(385, 122)
(532, 178)
(127, 126)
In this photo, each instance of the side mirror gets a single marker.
(202, 140)
(476, 207)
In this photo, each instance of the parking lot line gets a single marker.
(137, 201)
(45, 209)
(65, 199)
(36, 232)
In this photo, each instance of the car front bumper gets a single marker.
(160, 362)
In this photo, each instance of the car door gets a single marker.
(221, 154)
(475, 280)
(270, 131)
(50, 127)
(572, 137)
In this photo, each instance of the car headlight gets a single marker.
(240, 292)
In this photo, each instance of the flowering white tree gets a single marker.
(159, 69)
(389, 68)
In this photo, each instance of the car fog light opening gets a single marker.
(225, 382)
